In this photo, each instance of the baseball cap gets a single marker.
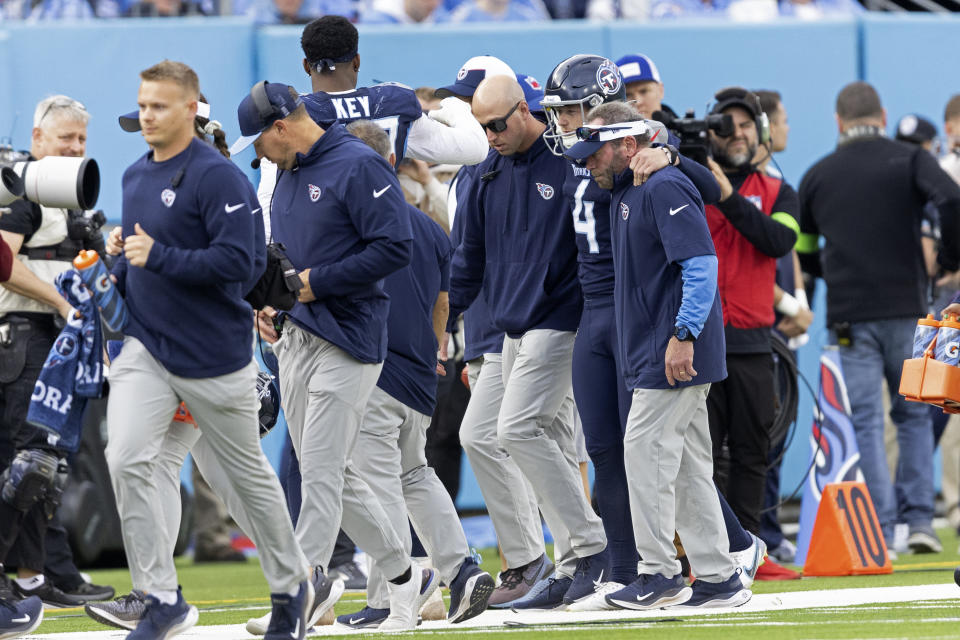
(591, 138)
(532, 91)
(637, 67)
(276, 102)
(737, 97)
(915, 129)
(131, 121)
(472, 73)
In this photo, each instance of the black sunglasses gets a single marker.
(500, 124)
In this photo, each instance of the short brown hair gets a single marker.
(769, 100)
(175, 72)
(858, 100)
(953, 108)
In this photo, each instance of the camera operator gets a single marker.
(753, 224)
(45, 240)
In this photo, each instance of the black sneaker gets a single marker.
(123, 613)
(469, 592)
(354, 579)
(545, 595)
(6, 587)
(51, 596)
(366, 618)
(165, 620)
(91, 592)
(591, 572)
(288, 616)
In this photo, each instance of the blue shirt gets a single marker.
(654, 227)
(517, 244)
(480, 335)
(186, 305)
(590, 207)
(410, 370)
(394, 107)
(341, 214)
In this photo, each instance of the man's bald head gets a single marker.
(496, 94)
(499, 105)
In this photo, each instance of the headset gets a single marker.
(740, 97)
(265, 108)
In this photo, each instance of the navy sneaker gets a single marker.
(469, 592)
(18, 618)
(729, 593)
(546, 594)
(651, 592)
(288, 618)
(366, 618)
(162, 621)
(591, 572)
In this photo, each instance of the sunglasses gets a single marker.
(61, 103)
(603, 133)
(500, 124)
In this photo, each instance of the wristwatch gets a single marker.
(671, 153)
(683, 334)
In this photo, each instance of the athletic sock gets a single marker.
(30, 583)
(736, 534)
(166, 597)
(613, 500)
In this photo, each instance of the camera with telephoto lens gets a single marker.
(694, 141)
(53, 181)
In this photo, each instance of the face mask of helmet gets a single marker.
(54, 181)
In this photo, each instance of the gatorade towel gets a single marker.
(833, 446)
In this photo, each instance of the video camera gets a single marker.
(694, 141)
(54, 181)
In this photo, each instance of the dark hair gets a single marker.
(858, 100)
(769, 100)
(330, 37)
(953, 108)
(218, 135)
(372, 135)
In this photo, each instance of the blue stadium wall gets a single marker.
(908, 59)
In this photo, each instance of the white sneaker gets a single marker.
(434, 608)
(750, 560)
(407, 598)
(598, 600)
(258, 626)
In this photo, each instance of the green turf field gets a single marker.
(232, 593)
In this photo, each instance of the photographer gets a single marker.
(753, 224)
(45, 240)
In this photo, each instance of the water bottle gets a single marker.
(948, 342)
(112, 309)
(926, 330)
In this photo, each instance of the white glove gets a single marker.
(452, 112)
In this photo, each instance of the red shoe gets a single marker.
(770, 570)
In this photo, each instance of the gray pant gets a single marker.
(143, 399)
(510, 501)
(392, 439)
(669, 460)
(211, 522)
(325, 392)
(537, 386)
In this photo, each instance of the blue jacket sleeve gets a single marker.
(699, 275)
(702, 179)
(119, 271)
(230, 253)
(383, 223)
(469, 258)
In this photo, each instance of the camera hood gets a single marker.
(11, 186)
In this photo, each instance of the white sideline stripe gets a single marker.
(494, 620)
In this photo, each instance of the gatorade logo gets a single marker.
(103, 283)
(952, 349)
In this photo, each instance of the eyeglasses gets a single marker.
(500, 124)
(60, 103)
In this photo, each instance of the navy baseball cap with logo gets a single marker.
(472, 73)
(266, 103)
(915, 129)
(637, 67)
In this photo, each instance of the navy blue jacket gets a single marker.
(591, 221)
(654, 227)
(186, 306)
(394, 107)
(481, 336)
(410, 370)
(517, 244)
(341, 214)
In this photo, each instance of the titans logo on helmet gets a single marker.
(608, 78)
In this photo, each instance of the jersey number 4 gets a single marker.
(583, 220)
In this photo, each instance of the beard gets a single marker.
(740, 160)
